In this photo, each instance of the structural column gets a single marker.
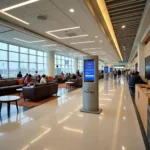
(51, 64)
(141, 60)
(76, 64)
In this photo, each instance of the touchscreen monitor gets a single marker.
(89, 71)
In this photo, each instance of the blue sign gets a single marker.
(66, 62)
(124, 61)
(106, 69)
(111, 69)
(89, 70)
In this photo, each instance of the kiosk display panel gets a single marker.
(111, 69)
(106, 69)
(89, 71)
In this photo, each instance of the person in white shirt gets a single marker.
(36, 74)
(43, 79)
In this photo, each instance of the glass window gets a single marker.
(23, 50)
(66, 64)
(31, 51)
(23, 57)
(13, 48)
(45, 54)
(12, 61)
(3, 55)
(40, 60)
(24, 68)
(32, 58)
(40, 69)
(3, 46)
(80, 65)
(4, 69)
(13, 56)
(40, 53)
(32, 67)
(45, 60)
(13, 69)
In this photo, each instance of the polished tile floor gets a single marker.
(59, 124)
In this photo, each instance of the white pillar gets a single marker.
(76, 64)
(51, 64)
(141, 60)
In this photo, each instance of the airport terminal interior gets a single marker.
(74, 74)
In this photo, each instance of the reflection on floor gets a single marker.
(59, 124)
(61, 92)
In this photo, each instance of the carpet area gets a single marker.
(30, 104)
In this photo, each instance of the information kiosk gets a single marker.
(90, 85)
(111, 72)
(106, 73)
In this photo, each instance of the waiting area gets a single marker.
(74, 74)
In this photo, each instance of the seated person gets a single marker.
(78, 73)
(134, 79)
(25, 76)
(74, 76)
(19, 75)
(38, 78)
(43, 79)
(28, 80)
(66, 77)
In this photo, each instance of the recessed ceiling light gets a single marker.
(82, 42)
(19, 5)
(28, 41)
(65, 29)
(123, 148)
(71, 10)
(96, 36)
(123, 26)
(101, 41)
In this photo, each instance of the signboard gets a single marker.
(66, 62)
(89, 70)
(106, 69)
(124, 61)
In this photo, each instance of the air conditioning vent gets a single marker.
(70, 34)
(42, 17)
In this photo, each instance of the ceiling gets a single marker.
(126, 13)
(84, 28)
(7, 34)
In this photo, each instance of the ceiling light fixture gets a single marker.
(96, 36)
(101, 41)
(72, 28)
(19, 5)
(71, 10)
(65, 29)
(123, 148)
(49, 45)
(28, 41)
(91, 48)
(82, 42)
(11, 16)
(123, 26)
